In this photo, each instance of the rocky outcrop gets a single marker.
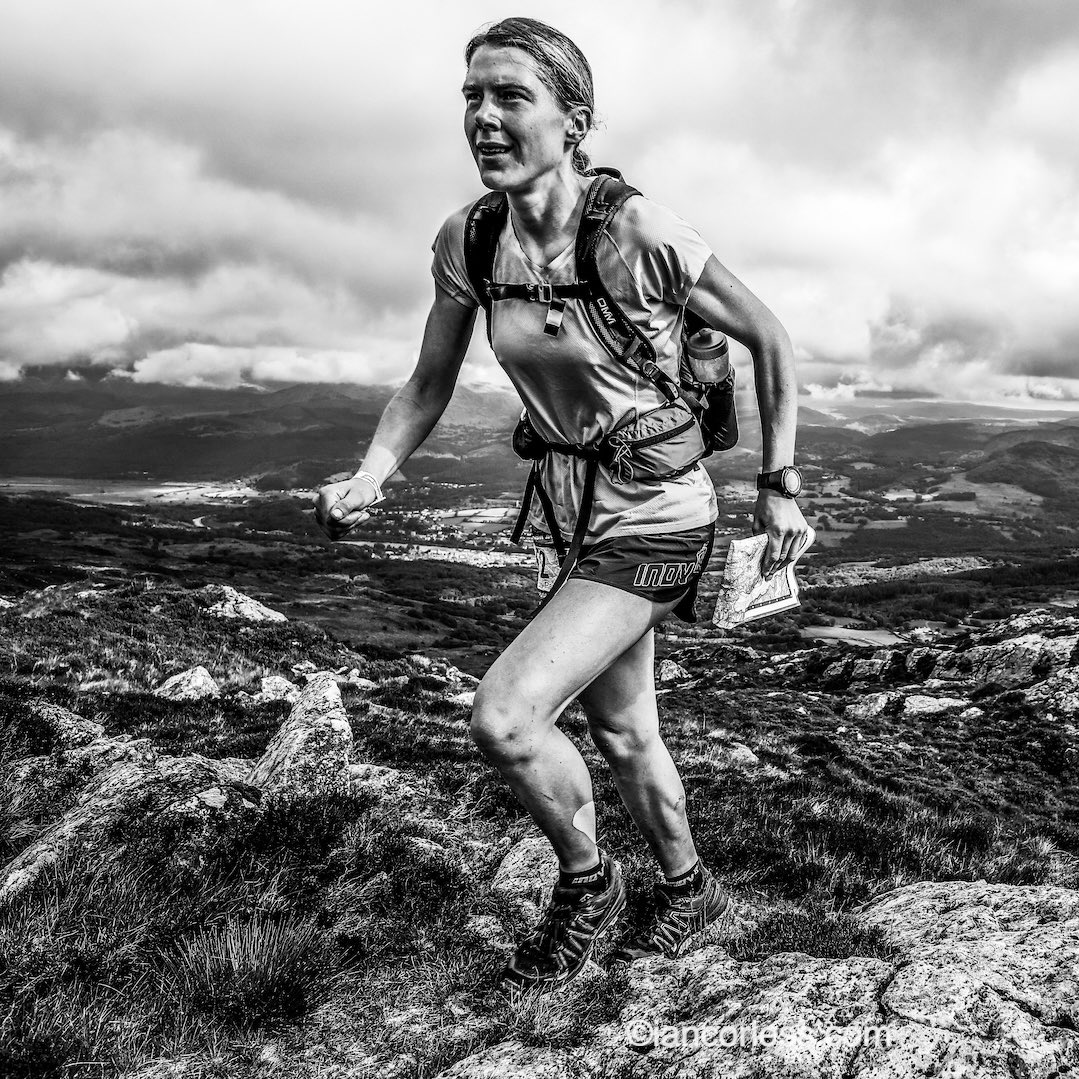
(310, 752)
(225, 602)
(1017, 661)
(983, 984)
(153, 785)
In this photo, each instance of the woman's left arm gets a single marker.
(726, 304)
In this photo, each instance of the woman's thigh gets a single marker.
(581, 632)
(621, 702)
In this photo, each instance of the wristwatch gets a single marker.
(787, 481)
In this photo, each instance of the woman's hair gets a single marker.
(560, 65)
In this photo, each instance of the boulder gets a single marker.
(309, 753)
(225, 602)
(152, 786)
(871, 705)
(194, 684)
(529, 870)
(67, 729)
(275, 688)
(918, 704)
(669, 671)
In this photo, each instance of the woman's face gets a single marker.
(515, 127)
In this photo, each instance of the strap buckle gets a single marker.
(543, 293)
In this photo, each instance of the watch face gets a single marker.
(791, 480)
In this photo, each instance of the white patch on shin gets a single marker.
(584, 820)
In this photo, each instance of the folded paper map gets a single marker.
(745, 593)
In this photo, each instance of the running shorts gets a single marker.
(661, 568)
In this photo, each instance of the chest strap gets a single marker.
(538, 293)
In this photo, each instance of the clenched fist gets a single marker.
(339, 507)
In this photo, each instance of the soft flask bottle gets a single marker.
(707, 356)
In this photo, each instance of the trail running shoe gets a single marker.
(676, 919)
(560, 944)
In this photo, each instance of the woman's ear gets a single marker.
(578, 124)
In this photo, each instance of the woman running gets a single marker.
(528, 106)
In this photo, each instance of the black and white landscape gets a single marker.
(244, 830)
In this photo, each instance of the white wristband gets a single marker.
(379, 496)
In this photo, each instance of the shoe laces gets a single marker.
(670, 923)
(565, 912)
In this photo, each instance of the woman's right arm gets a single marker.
(408, 418)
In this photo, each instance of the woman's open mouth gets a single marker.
(491, 150)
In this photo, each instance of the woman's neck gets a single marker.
(545, 217)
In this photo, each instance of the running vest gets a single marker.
(698, 418)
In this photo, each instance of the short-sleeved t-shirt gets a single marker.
(573, 388)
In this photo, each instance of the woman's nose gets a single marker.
(487, 114)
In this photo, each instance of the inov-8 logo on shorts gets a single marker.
(663, 574)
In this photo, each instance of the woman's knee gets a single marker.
(623, 744)
(504, 724)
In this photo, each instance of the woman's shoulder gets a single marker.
(448, 266)
(651, 224)
(454, 225)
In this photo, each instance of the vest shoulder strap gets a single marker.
(483, 226)
(606, 195)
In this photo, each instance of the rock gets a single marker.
(990, 969)
(528, 871)
(466, 698)
(360, 683)
(68, 729)
(1017, 661)
(669, 671)
(984, 985)
(418, 660)
(195, 684)
(866, 669)
(150, 785)
(305, 666)
(44, 786)
(1041, 620)
(310, 751)
(920, 705)
(275, 688)
(6, 604)
(207, 812)
(386, 783)
(739, 753)
(871, 705)
(226, 602)
(1057, 695)
(487, 929)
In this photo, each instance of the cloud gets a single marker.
(210, 192)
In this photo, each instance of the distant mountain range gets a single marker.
(297, 434)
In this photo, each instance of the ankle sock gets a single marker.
(591, 880)
(688, 883)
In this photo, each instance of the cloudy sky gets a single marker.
(215, 191)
